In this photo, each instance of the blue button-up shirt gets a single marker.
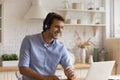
(43, 58)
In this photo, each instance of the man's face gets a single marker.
(56, 29)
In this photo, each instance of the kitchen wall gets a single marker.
(116, 19)
(15, 27)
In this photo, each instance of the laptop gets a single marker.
(100, 70)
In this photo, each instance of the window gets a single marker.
(0, 23)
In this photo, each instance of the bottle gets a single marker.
(90, 59)
(102, 54)
(66, 4)
(95, 54)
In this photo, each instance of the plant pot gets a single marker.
(78, 6)
(9, 63)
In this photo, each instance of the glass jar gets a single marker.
(66, 4)
(91, 6)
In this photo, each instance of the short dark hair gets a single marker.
(49, 20)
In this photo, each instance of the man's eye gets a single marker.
(61, 27)
(56, 26)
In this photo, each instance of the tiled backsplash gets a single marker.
(16, 27)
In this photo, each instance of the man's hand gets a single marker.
(50, 77)
(70, 73)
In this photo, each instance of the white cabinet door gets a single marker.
(60, 74)
(8, 76)
(81, 73)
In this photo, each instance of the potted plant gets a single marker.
(84, 48)
(9, 59)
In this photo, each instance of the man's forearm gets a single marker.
(30, 73)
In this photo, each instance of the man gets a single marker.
(41, 53)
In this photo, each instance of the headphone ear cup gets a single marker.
(47, 23)
(46, 26)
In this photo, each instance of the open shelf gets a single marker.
(79, 10)
(85, 24)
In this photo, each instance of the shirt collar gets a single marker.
(44, 43)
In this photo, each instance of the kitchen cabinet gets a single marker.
(8, 76)
(8, 73)
(81, 73)
(80, 70)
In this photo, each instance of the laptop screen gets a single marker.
(100, 70)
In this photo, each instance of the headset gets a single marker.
(48, 20)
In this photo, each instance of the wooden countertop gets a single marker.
(76, 65)
(6, 69)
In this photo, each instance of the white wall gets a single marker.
(117, 18)
(16, 27)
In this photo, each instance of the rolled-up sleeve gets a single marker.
(65, 60)
(24, 58)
